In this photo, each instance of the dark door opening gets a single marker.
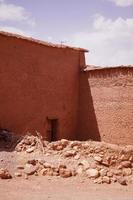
(53, 128)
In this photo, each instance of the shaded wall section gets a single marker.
(87, 126)
(106, 105)
(38, 83)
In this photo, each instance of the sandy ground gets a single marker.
(37, 188)
(55, 188)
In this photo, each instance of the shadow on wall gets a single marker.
(87, 126)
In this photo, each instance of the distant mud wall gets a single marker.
(106, 105)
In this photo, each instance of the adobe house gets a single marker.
(39, 86)
(48, 88)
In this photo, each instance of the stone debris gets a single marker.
(122, 181)
(30, 150)
(18, 174)
(30, 169)
(106, 179)
(98, 159)
(103, 163)
(4, 174)
(20, 167)
(126, 164)
(92, 173)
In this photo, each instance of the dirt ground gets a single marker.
(42, 188)
(74, 155)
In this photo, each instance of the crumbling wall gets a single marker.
(38, 82)
(106, 105)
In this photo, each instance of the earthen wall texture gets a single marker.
(37, 82)
(106, 105)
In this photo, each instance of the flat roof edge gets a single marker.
(37, 41)
(99, 68)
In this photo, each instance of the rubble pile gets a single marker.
(99, 161)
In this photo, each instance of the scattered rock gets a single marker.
(106, 179)
(77, 157)
(116, 172)
(103, 172)
(30, 150)
(18, 174)
(126, 164)
(32, 161)
(124, 157)
(30, 169)
(70, 153)
(62, 166)
(20, 167)
(127, 171)
(64, 142)
(92, 173)
(109, 174)
(122, 181)
(98, 159)
(65, 173)
(85, 164)
(4, 174)
(98, 180)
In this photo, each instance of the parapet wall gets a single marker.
(106, 105)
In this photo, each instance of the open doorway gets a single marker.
(52, 129)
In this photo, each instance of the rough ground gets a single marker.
(68, 170)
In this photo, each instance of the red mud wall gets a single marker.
(37, 82)
(106, 105)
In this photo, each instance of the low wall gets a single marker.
(106, 105)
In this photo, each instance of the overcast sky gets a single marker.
(105, 27)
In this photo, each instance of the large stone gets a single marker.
(4, 174)
(30, 150)
(109, 174)
(127, 171)
(124, 157)
(65, 173)
(47, 165)
(18, 174)
(43, 172)
(122, 181)
(116, 172)
(64, 142)
(98, 180)
(77, 157)
(59, 148)
(32, 161)
(30, 169)
(126, 164)
(85, 164)
(92, 173)
(75, 144)
(98, 159)
(103, 172)
(62, 166)
(106, 179)
(70, 153)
